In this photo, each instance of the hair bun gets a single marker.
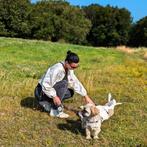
(71, 57)
(68, 52)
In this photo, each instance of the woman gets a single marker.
(58, 84)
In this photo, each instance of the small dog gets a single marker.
(92, 116)
(91, 120)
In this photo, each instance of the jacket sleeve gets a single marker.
(76, 84)
(48, 81)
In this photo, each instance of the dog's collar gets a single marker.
(93, 121)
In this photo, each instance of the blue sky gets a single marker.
(138, 8)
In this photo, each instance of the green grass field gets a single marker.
(102, 70)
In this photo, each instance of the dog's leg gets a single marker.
(88, 133)
(96, 132)
(109, 97)
(83, 124)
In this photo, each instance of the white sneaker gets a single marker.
(62, 115)
(53, 112)
(56, 113)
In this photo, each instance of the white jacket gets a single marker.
(55, 74)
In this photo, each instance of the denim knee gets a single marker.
(61, 84)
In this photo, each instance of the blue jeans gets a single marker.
(62, 90)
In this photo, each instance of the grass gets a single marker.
(102, 70)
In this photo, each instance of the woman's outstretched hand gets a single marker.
(88, 100)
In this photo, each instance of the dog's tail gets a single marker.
(118, 104)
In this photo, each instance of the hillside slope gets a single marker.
(102, 70)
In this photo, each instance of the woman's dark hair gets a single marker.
(72, 57)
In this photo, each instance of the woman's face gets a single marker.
(71, 66)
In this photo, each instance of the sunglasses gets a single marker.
(73, 67)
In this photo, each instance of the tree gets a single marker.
(52, 20)
(40, 21)
(138, 33)
(14, 17)
(110, 26)
(75, 26)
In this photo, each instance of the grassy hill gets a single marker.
(102, 70)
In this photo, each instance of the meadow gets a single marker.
(102, 70)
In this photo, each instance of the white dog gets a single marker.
(92, 116)
(91, 120)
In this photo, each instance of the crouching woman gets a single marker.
(59, 83)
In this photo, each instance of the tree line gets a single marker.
(57, 20)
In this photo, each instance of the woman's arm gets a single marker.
(50, 78)
(74, 83)
(88, 100)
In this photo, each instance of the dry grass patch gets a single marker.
(125, 49)
(141, 52)
(145, 55)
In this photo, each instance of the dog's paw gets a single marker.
(88, 137)
(79, 114)
(95, 137)
(82, 107)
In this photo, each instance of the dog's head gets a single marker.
(89, 110)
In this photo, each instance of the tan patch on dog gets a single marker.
(94, 111)
(111, 112)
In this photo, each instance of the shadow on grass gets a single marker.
(73, 126)
(30, 102)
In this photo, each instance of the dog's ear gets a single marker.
(94, 111)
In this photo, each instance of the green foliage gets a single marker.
(54, 21)
(41, 22)
(110, 25)
(75, 26)
(3, 31)
(138, 34)
(57, 20)
(14, 18)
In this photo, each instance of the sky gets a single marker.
(138, 8)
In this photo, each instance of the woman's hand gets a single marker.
(57, 101)
(88, 100)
